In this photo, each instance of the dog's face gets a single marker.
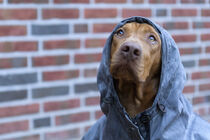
(135, 52)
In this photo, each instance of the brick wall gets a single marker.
(50, 51)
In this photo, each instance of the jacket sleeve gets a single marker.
(96, 131)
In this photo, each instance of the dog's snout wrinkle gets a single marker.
(131, 50)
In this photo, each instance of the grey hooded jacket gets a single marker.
(170, 117)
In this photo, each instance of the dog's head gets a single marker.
(135, 52)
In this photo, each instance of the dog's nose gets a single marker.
(130, 50)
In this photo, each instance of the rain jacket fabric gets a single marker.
(171, 116)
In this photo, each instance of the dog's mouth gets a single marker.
(124, 68)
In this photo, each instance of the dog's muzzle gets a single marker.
(130, 50)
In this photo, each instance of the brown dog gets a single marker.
(135, 66)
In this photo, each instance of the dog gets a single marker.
(141, 78)
(136, 65)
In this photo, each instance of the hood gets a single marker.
(172, 77)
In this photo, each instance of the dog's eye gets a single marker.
(120, 32)
(152, 38)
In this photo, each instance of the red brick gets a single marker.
(6, 63)
(162, 1)
(61, 105)
(200, 75)
(72, 118)
(87, 58)
(94, 43)
(19, 14)
(92, 100)
(98, 114)
(201, 111)
(187, 51)
(60, 13)
(32, 137)
(11, 127)
(100, 13)
(63, 135)
(18, 46)
(203, 87)
(198, 100)
(205, 37)
(136, 12)
(90, 72)
(207, 49)
(60, 75)
(192, 1)
(138, 1)
(184, 12)
(12, 30)
(80, 28)
(61, 44)
(185, 38)
(71, 1)
(175, 25)
(28, 1)
(205, 12)
(204, 62)
(189, 89)
(17, 62)
(41, 61)
(199, 25)
(110, 1)
(100, 28)
(18, 110)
